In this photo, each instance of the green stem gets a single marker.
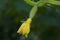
(53, 2)
(33, 11)
(30, 2)
(41, 3)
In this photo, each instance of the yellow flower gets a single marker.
(25, 28)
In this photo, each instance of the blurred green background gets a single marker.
(45, 25)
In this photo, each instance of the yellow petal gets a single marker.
(25, 27)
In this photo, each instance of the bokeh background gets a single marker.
(45, 25)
